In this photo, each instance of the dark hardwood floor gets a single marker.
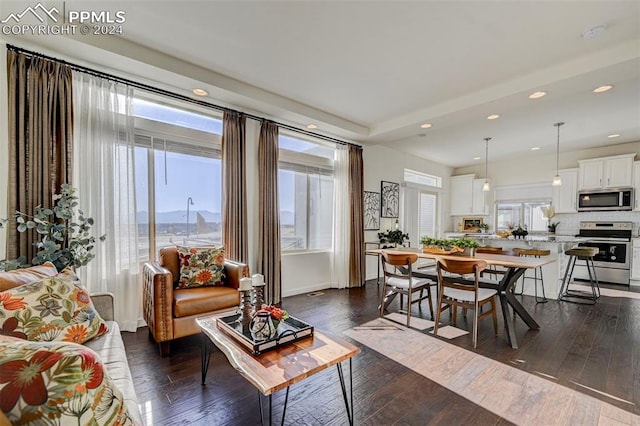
(591, 349)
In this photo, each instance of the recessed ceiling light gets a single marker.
(493, 117)
(311, 126)
(476, 158)
(593, 32)
(615, 135)
(603, 89)
(537, 95)
(200, 92)
(425, 125)
(535, 148)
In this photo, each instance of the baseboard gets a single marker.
(307, 289)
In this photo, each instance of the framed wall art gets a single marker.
(472, 224)
(371, 211)
(390, 201)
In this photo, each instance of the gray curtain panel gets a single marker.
(356, 244)
(234, 187)
(40, 140)
(269, 213)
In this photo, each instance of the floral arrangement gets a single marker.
(277, 314)
(550, 212)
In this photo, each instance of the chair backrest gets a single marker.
(458, 268)
(400, 261)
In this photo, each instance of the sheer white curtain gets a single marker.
(104, 175)
(341, 219)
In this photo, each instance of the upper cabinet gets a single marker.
(636, 185)
(461, 195)
(565, 196)
(607, 172)
(467, 196)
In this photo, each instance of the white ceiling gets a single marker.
(373, 72)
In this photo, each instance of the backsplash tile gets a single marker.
(570, 222)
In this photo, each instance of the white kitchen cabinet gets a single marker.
(479, 198)
(565, 196)
(461, 200)
(635, 261)
(636, 184)
(607, 172)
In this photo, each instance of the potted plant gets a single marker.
(552, 226)
(395, 237)
(484, 227)
(65, 230)
(468, 245)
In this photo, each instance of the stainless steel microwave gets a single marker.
(605, 199)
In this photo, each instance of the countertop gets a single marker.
(549, 238)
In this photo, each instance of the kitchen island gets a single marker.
(552, 272)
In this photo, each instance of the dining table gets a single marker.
(515, 266)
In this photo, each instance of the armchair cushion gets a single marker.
(201, 266)
(51, 309)
(194, 301)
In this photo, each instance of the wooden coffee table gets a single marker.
(282, 367)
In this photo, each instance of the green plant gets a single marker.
(434, 242)
(553, 225)
(65, 230)
(465, 243)
(484, 226)
(393, 237)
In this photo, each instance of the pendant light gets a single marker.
(486, 187)
(556, 179)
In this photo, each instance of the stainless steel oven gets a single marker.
(613, 261)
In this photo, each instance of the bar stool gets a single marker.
(527, 252)
(580, 253)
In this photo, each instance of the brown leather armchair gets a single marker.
(170, 313)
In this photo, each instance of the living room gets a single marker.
(399, 131)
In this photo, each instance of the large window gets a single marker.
(305, 194)
(526, 214)
(178, 177)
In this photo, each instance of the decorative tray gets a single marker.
(439, 250)
(289, 330)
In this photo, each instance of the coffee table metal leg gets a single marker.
(205, 356)
(284, 410)
(344, 390)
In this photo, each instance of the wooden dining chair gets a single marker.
(492, 271)
(399, 279)
(454, 294)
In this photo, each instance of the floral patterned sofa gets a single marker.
(62, 358)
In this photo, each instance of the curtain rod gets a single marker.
(173, 95)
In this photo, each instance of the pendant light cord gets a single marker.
(486, 158)
(558, 124)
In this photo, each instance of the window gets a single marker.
(527, 214)
(422, 178)
(305, 185)
(178, 177)
(428, 203)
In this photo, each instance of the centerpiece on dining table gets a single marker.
(465, 246)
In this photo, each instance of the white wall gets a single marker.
(305, 272)
(383, 163)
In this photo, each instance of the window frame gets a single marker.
(308, 164)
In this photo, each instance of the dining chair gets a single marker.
(399, 280)
(492, 271)
(468, 295)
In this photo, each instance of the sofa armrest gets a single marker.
(158, 301)
(104, 304)
(234, 271)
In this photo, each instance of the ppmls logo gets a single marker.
(52, 22)
(16, 17)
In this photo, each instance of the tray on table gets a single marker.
(289, 330)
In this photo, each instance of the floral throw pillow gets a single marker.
(57, 383)
(201, 266)
(52, 309)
